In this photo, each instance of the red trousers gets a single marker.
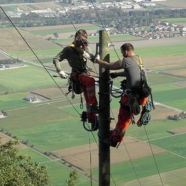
(88, 84)
(124, 119)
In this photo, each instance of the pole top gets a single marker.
(104, 29)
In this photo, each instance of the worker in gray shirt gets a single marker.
(131, 66)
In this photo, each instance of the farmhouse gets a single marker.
(136, 6)
(2, 115)
(32, 99)
(157, 0)
(2, 67)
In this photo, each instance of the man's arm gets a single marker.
(88, 54)
(117, 74)
(123, 74)
(56, 61)
(112, 66)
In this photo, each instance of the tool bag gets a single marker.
(134, 105)
(76, 85)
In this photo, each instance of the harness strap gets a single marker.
(139, 63)
(71, 45)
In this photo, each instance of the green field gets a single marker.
(171, 95)
(62, 30)
(176, 20)
(51, 52)
(175, 144)
(155, 79)
(46, 60)
(55, 125)
(144, 167)
(162, 79)
(10, 8)
(156, 129)
(58, 125)
(27, 78)
(4, 89)
(150, 52)
(163, 51)
(13, 101)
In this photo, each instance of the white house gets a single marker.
(156, 0)
(2, 115)
(136, 6)
(138, 1)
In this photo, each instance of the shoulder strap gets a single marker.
(139, 63)
(71, 45)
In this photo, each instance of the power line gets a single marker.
(46, 70)
(90, 159)
(153, 156)
(54, 79)
(113, 114)
(38, 58)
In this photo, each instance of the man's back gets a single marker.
(132, 72)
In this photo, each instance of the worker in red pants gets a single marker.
(77, 54)
(131, 65)
(124, 119)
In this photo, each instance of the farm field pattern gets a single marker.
(53, 126)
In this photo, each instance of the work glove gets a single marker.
(63, 74)
(113, 75)
(88, 55)
(97, 57)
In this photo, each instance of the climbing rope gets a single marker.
(155, 162)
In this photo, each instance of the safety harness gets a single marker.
(146, 91)
(75, 87)
(134, 97)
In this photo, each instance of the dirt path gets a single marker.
(167, 106)
(80, 156)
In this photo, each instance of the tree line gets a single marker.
(10, 61)
(16, 169)
(109, 17)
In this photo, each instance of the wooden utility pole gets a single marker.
(104, 115)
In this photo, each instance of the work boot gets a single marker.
(94, 109)
(112, 143)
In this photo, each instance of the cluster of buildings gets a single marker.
(83, 5)
(134, 4)
(182, 115)
(10, 66)
(43, 13)
(162, 30)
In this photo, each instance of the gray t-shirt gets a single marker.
(132, 71)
